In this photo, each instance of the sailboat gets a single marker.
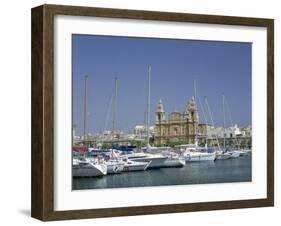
(235, 153)
(194, 153)
(114, 164)
(224, 153)
(154, 160)
(121, 163)
(174, 159)
(150, 155)
(159, 157)
(84, 167)
(130, 165)
(88, 167)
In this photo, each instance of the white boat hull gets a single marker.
(114, 167)
(135, 166)
(174, 162)
(89, 170)
(223, 156)
(155, 161)
(198, 157)
(235, 154)
(243, 152)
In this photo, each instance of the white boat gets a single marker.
(130, 165)
(88, 168)
(174, 162)
(114, 166)
(155, 160)
(194, 153)
(173, 159)
(231, 154)
(223, 155)
(199, 156)
(234, 154)
(243, 152)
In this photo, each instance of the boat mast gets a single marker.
(223, 108)
(148, 107)
(195, 126)
(114, 105)
(197, 97)
(85, 106)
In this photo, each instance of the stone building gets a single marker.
(140, 131)
(179, 126)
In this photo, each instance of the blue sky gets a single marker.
(218, 68)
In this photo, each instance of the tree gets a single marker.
(175, 143)
(138, 143)
(106, 146)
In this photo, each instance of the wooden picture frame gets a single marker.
(42, 203)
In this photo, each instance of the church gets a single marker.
(181, 127)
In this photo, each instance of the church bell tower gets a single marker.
(160, 112)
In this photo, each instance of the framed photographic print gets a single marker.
(141, 112)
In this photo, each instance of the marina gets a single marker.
(101, 167)
(219, 171)
(183, 164)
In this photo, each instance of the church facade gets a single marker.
(178, 126)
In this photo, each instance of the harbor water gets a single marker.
(205, 172)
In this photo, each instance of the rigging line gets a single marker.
(108, 110)
(205, 119)
(202, 109)
(212, 121)
(196, 127)
(148, 105)
(223, 110)
(85, 106)
(229, 112)
(200, 103)
(231, 122)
